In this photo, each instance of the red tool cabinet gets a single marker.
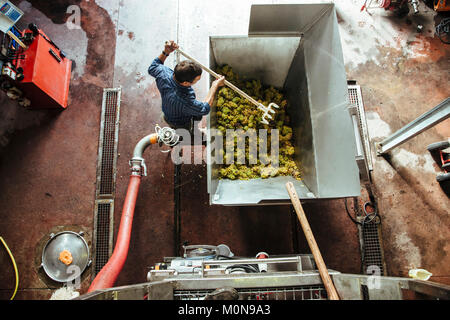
(46, 73)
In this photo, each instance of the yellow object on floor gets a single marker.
(15, 266)
(420, 274)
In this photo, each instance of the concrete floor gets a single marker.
(48, 158)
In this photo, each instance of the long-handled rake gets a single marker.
(267, 110)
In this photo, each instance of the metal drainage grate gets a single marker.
(285, 293)
(108, 142)
(103, 236)
(371, 247)
(356, 98)
(106, 179)
(364, 159)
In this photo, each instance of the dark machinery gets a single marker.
(34, 71)
(207, 272)
(441, 5)
(213, 273)
(400, 7)
(442, 158)
(443, 30)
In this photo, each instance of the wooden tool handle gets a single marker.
(12, 35)
(217, 76)
(329, 286)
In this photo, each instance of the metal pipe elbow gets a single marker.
(143, 144)
(137, 163)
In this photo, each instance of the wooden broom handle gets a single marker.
(329, 286)
(15, 38)
(217, 76)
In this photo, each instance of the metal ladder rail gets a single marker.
(429, 119)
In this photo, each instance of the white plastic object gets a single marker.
(262, 266)
(9, 15)
(420, 274)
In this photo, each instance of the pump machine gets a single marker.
(34, 70)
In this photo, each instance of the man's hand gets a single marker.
(170, 46)
(214, 87)
(219, 82)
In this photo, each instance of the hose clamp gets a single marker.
(138, 167)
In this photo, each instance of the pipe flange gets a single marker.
(138, 167)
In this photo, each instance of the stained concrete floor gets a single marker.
(48, 158)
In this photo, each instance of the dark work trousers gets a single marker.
(190, 126)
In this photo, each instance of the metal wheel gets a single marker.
(443, 177)
(438, 146)
(443, 30)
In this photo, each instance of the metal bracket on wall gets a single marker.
(429, 119)
(102, 241)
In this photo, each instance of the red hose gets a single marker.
(385, 4)
(107, 276)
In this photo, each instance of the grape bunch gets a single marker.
(235, 112)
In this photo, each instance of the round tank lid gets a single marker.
(69, 241)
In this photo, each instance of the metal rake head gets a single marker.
(267, 112)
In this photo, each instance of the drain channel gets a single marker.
(371, 247)
(363, 152)
(102, 233)
(108, 143)
(106, 179)
(356, 99)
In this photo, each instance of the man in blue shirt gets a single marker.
(179, 103)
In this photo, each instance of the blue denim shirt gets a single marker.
(179, 103)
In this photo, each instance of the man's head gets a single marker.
(187, 73)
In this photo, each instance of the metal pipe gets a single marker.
(429, 119)
(109, 273)
(144, 144)
(137, 163)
